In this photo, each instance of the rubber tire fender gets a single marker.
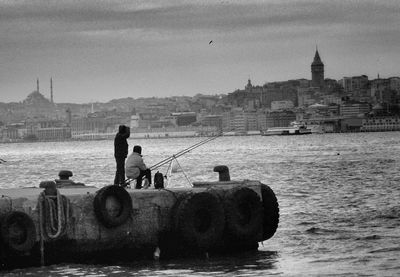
(243, 212)
(100, 208)
(17, 221)
(199, 219)
(271, 212)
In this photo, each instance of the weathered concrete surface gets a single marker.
(151, 216)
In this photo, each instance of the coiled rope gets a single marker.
(54, 225)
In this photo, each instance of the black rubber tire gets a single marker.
(243, 213)
(100, 209)
(271, 212)
(200, 220)
(18, 231)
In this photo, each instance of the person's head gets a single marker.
(137, 149)
(122, 129)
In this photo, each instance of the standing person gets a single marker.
(136, 168)
(120, 153)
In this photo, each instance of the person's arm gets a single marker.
(142, 165)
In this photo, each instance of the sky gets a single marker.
(99, 50)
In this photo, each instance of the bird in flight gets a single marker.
(210, 42)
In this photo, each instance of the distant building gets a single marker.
(281, 105)
(317, 71)
(374, 124)
(212, 120)
(378, 86)
(249, 97)
(276, 119)
(240, 121)
(354, 83)
(351, 124)
(184, 118)
(354, 109)
(52, 134)
(307, 96)
(278, 93)
(395, 84)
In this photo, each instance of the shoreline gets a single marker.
(146, 136)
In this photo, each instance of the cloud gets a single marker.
(35, 23)
(97, 38)
(195, 15)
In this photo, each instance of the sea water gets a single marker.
(339, 198)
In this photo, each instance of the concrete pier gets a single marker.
(101, 224)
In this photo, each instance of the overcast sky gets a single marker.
(101, 50)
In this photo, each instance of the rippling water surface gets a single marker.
(339, 198)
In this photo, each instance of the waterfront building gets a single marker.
(279, 118)
(240, 121)
(12, 132)
(351, 124)
(97, 123)
(375, 124)
(354, 109)
(184, 118)
(212, 120)
(52, 134)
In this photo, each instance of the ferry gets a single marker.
(294, 129)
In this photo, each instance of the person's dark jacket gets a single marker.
(120, 143)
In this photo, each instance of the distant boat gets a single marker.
(316, 129)
(294, 129)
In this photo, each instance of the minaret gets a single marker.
(317, 71)
(37, 84)
(51, 90)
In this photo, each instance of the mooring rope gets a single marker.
(58, 217)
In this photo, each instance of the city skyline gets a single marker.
(104, 50)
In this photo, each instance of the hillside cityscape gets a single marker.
(351, 104)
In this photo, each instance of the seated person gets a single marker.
(135, 167)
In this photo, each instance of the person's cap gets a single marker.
(137, 149)
(121, 128)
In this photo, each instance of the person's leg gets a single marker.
(122, 171)
(138, 183)
(120, 174)
(147, 173)
(139, 180)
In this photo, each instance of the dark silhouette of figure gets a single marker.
(120, 153)
(136, 168)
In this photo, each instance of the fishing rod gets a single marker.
(180, 153)
(184, 151)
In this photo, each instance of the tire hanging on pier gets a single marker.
(244, 213)
(271, 212)
(18, 231)
(112, 206)
(199, 219)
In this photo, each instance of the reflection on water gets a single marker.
(338, 196)
(260, 263)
